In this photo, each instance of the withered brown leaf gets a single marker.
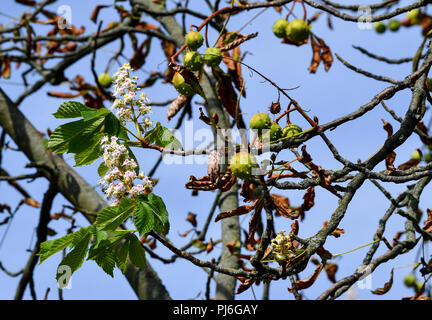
(331, 269)
(386, 288)
(411, 162)
(246, 284)
(209, 246)
(326, 55)
(306, 283)
(428, 223)
(237, 211)
(95, 12)
(316, 55)
(191, 218)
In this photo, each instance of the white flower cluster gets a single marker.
(130, 105)
(118, 182)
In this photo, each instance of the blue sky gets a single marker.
(326, 95)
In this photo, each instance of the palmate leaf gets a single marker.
(144, 218)
(70, 109)
(163, 137)
(50, 247)
(157, 206)
(92, 153)
(76, 256)
(136, 252)
(73, 136)
(122, 256)
(113, 127)
(90, 114)
(103, 255)
(102, 169)
(111, 218)
(107, 261)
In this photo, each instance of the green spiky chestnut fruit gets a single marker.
(194, 40)
(105, 80)
(212, 57)
(394, 25)
(298, 30)
(414, 16)
(290, 131)
(279, 28)
(181, 86)
(428, 157)
(416, 155)
(410, 280)
(418, 286)
(241, 165)
(193, 61)
(380, 27)
(260, 121)
(275, 131)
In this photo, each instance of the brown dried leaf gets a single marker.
(226, 92)
(411, 162)
(324, 254)
(325, 178)
(31, 202)
(138, 58)
(253, 222)
(210, 246)
(389, 160)
(387, 286)
(95, 12)
(63, 95)
(337, 232)
(246, 284)
(426, 140)
(308, 200)
(237, 211)
(283, 208)
(294, 228)
(428, 223)
(387, 127)
(306, 283)
(184, 234)
(316, 56)
(168, 48)
(331, 269)
(191, 217)
(326, 55)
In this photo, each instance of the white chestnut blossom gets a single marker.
(119, 180)
(130, 105)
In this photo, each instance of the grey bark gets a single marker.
(146, 283)
(225, 285)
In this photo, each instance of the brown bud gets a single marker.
(275, 107)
